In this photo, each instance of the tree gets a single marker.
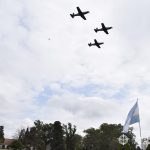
(109, 136)
(1, 134)
(92, 140)
(70, 136)
(38, 136)
(78, 142)
(16, 145)
(35, 136)
(57, 135)
(138, 148)
(46, 135)
(125, 147)
(148, 147)
(131, 137)
(106, 138)
(39, 143)
(20, 134)
(31, 138)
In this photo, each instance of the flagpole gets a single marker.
(140, 131)
(141, 136)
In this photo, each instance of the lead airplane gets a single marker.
(80, 13)
(95, 44)
(105, 29)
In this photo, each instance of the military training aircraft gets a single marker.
(105, 29)
(95, 44)
(80, 13)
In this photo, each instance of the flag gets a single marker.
(133, 117)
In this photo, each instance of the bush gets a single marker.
(16, 145)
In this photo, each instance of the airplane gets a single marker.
(105, 29)
(80, 13)
(96, 44)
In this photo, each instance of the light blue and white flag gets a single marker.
(133, 117)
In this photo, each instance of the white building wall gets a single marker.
(145, 143)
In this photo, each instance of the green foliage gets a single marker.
(103, 138)
(131, 137)
(64, 137)
(109, 135)
(37, 133)
(38, 136)
(1, 134)
(78, 142)
(58, 139)
(92, 140)
(70, 136)
(148, 147)
(16, 145)
(125, 147)
(138, 148)
(106, 138)
(72, 140)
(47, 132)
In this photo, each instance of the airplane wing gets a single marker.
(81, 13)
(83, 16)
(98, 45)
(106, 31)
(79, 10)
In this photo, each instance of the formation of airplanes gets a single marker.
(103, 28)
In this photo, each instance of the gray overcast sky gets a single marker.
(62, 78)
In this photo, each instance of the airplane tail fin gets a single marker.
(72, 15)
(103, 25)
(90, 44)
(96, 30)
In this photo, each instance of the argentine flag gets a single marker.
(133, 117)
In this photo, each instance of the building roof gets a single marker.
(7, 142)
